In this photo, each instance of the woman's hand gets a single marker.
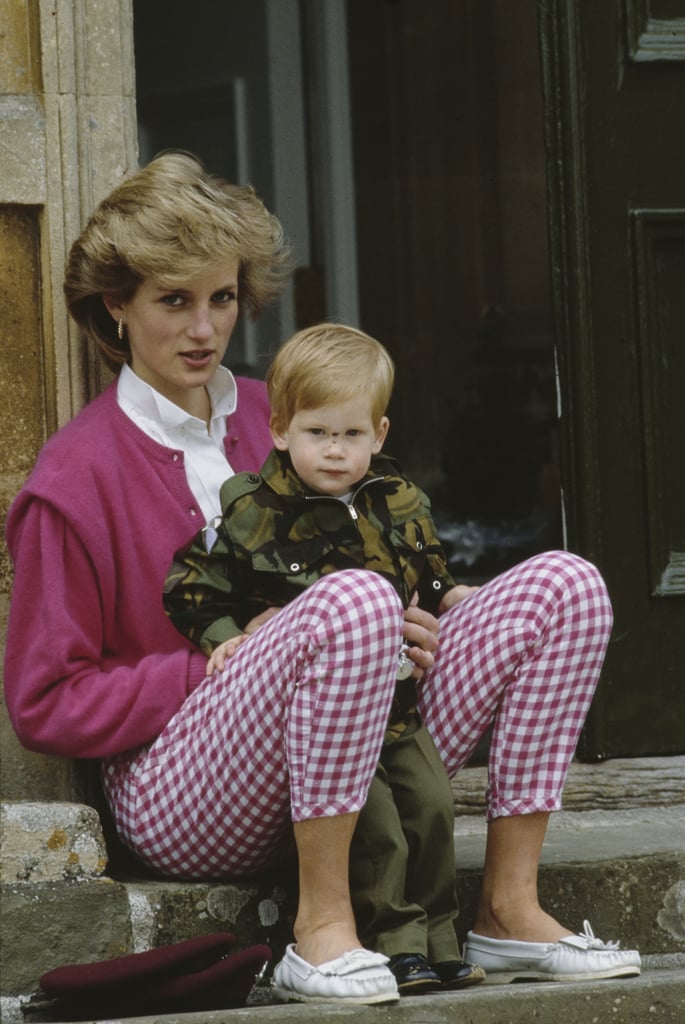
(455, 596)
(223, 652)
(421, 636)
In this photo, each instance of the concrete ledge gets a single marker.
(656, 996)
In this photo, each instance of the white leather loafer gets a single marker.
(579, 957)
(359, 976)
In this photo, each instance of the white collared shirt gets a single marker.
(205, 460)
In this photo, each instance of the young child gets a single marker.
(327, 500)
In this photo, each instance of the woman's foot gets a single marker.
(581, 957)
(324, 943)
(357, 976)
(527, 923)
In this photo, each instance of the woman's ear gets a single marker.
(381, 434)
(115, 306)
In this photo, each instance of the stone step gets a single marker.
(656, 997)
(613, 785)
(624, 869)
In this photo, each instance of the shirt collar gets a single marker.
(134, 391)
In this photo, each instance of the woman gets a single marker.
(205, 776)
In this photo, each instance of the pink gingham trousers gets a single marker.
(293, 726)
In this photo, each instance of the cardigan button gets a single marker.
(193, 511)
(175, 457)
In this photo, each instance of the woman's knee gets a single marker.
(576, 581)
(576, 571)
(353, 620)
(360, 594)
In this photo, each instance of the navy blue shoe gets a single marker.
(458, 974)
(413, 973)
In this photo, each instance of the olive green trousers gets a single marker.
(402, 864)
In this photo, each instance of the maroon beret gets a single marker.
(196, 974)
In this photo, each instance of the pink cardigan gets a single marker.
(93, 666)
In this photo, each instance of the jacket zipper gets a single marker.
(354, 515)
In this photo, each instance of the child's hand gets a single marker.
(259, 620)
(223, 652)
(455, 596)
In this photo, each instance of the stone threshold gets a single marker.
(616, 784)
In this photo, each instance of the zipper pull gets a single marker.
(353, 512)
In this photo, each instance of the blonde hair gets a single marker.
(326, 364)
(170, 222)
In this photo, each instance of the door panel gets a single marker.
(659, 255)
(614, 83)
(449, 164)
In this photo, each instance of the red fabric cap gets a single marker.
(195, 974)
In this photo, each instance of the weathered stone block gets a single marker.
(50, 842)
(255, 911)
(49, 924)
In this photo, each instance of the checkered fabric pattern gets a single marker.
(523, 653)
(292, 728)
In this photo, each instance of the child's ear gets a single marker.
(279, 436)
(381, 434)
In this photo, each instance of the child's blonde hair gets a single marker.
(326, 364)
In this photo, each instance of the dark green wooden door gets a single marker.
(614, 83)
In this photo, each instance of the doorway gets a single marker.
(402, 147)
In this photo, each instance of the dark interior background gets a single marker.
(451, 224)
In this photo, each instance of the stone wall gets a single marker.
(68, 134)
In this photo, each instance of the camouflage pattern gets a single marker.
(275, 538)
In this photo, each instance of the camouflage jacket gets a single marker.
(275, 538)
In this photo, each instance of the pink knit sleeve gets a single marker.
(66, 694)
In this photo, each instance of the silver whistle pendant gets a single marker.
(405, 666)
